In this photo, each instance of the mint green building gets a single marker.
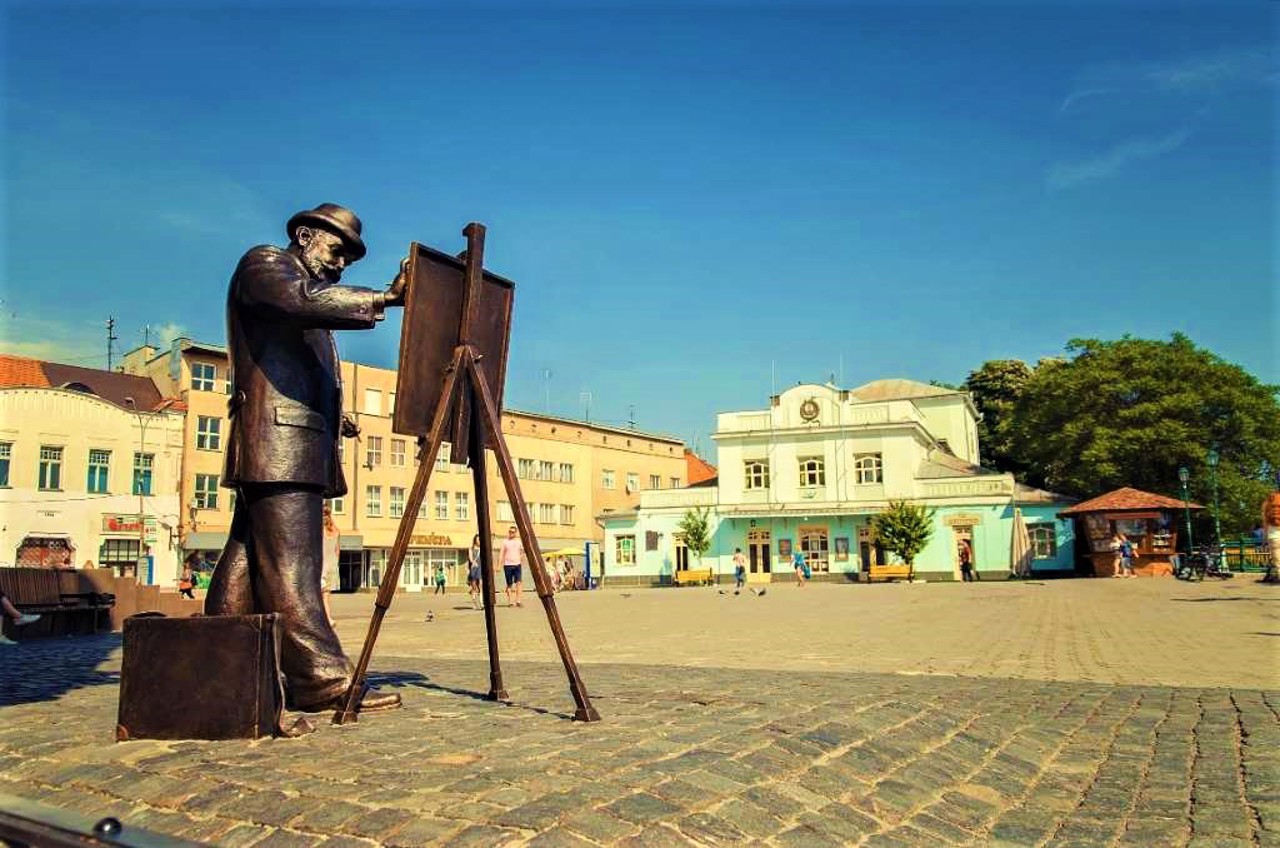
(809, 472)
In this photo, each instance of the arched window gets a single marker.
(812, 472)
(867, 468)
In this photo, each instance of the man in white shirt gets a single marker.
(512, 562)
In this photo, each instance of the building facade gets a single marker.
(808, 474)
(569, 472)
(89, 471)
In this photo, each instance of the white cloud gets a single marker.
(1202, 74)
(69, 342)
(1068, 175)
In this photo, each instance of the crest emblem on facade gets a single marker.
(809, 410)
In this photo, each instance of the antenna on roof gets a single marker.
(546, 390)
(631, 420)
(585, 397)
(111, 339)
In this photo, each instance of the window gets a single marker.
(624, 550)
(655, 481)
(422, 509)
(757, 474)
(1044, 541)
(867, 468)
(6, 453)
(566, 472)
(566, 513)
(206, 491)
(442, 505)
(524, 469)
(397, 453)
(372, 402)
(442, 457)
(50, 467)
(546, 470)
(99, 469)
(675, 482)
(143, 465)
(812, 472)
(633, 481)
(391, 403)
(338, 506)
(606, 479)
(397, 501)
(546, 513)
(208, 433)
(462, 505)
(373, 501)
(504, 511)
(372, 451)
(203, 376)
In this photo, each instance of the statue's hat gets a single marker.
(335, 219)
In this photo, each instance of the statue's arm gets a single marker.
(270, 281)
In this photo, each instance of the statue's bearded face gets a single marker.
(323, 254)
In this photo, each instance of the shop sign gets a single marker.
(434, 540)
(128, 524)
(962, 519)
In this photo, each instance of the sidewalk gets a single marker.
(719, 750)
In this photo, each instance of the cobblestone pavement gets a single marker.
(735, 753)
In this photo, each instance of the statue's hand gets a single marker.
(349, 429)
(399, 288)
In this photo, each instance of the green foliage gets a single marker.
(1130, 412)
(696, 529)
(904, 529)
(996, 388)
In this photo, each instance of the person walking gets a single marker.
(512, 565)
(187, 580)
(438, 578)
(474, 586)
(1117, 554)
(801, 567)
(965, 552)
(739, 569)
(331, 554)
(1126, 557)
(1271, 533)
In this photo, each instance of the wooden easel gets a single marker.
(466, 389)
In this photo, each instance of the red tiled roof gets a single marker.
(21, 371)
(1128, 499)
(698, 469)
(111, 386)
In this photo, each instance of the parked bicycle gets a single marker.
(1203, 561)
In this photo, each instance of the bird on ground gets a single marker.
(759, 594)
(431, 616)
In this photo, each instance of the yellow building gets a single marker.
(570, 472)
(89, 470)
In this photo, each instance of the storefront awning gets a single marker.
(205, 541)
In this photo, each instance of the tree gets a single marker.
(904, 529)
(696, 530)
(996, 388)
(1131, 412)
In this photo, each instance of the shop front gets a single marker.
(426, 552)
(1148, 521)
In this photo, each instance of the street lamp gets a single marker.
(1212, 459)
(1184, 475)
(143, 421)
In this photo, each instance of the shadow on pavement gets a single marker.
(46, 669)
(416, 680)
(1219, 598)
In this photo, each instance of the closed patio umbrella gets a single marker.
(1020, 549)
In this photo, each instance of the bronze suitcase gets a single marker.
(204, 677)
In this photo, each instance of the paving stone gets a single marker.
(708, 829)
(377, 824)
(599, 826)
(558, 837)
(641, 808)
(288, 839)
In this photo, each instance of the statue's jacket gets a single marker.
(286, 397)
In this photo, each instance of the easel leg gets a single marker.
(485, 407)
(497, 691)
(349, 709)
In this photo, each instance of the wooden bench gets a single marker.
(692, 577)
(41, 590)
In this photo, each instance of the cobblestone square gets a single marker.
(1086, 712)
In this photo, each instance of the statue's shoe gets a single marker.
(371, 701)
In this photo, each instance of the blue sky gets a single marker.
(697, 203)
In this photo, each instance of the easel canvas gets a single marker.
(453, 349)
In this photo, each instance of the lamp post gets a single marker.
(137, 483)
(1212, 459)
(1184, 475)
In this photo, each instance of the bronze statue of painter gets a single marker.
(282, 452)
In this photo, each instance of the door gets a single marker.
(958, 533)
(814, 546)
(759, 555)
